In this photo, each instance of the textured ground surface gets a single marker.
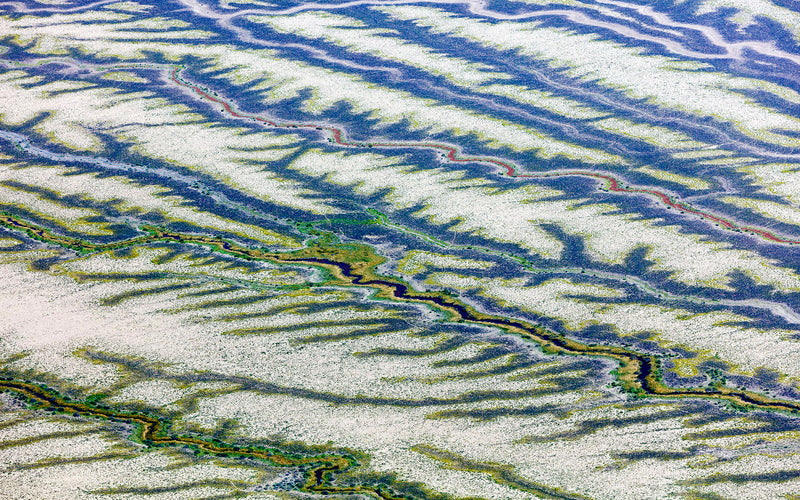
(399, 249)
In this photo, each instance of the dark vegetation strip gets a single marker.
(355, 264)
(319, 469)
